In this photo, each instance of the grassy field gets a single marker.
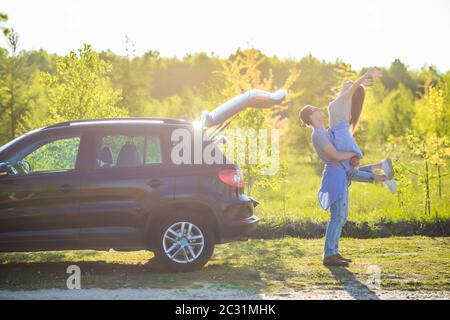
(297, 199)
(406, 263)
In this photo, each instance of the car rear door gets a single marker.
(128, 181)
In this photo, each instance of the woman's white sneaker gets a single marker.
(386, 166)
(391, 185)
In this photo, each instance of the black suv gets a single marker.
(111, 183)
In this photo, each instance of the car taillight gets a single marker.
(232, 177)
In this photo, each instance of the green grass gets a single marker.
(371, 203)
(407, 263)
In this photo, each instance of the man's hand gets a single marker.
(354, 162)
(335, 155)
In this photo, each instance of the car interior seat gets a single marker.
(129, 156)
(105, 157)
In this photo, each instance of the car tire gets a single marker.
(177, 251)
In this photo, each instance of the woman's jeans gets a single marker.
(361, 174)
(339, 211)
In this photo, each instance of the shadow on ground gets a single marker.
(354, 287)
(35, 275)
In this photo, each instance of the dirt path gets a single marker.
(291, 268)
(211, 292)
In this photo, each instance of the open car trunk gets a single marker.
(251, 99)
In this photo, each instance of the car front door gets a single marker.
(39, 205)
(128, 181)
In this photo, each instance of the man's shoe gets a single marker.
(334, 261)
(344, 259)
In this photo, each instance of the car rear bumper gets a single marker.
(240, 229)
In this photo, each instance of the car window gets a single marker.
(118, 151)
(153, 154)
(56, 155)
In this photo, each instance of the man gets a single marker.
(333, 193)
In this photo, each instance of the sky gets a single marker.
(363, 33)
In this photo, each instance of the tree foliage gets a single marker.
(80, 88)
(3, 18)
(14, 94)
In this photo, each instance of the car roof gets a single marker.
(122, 123)
(119, 121)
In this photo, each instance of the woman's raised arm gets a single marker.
(365, 80)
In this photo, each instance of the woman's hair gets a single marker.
(357, 104)
(305, 116)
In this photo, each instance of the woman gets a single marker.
(344, 112)
(333, 193)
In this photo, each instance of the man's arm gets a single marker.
(365, 80)
(335, 155)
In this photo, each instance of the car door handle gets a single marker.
(155, 183)
(67, 188)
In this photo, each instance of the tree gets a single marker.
(13, 75)
(342, 71)
(36, 113)
(395, 114)
(3, 18)
(431, 122)
(427, 141)
(80, 88)
(371, 120)
(184, 106)
(398, 74)
(421, 147)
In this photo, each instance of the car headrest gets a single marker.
(129, 156)
(105, 156)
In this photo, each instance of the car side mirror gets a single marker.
(4, 169)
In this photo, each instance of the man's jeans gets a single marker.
(339, 210)
(338, 217)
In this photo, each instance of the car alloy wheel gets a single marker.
(183, 242)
